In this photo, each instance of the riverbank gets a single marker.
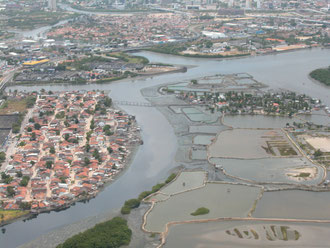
(273, 52)
(136, 76)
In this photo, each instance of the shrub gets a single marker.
(200, 211)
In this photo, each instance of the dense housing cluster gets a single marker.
(72, 143)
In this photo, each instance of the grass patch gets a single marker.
(287, 151)
(12, 106)
(284, 230)
(6, 215)
(303, 174)
(200, 211)
(129, 58)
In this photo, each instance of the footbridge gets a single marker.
(139, 104)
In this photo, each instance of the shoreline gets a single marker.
(317, 81)
(181, 69)
(233, 56)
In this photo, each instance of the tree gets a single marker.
(2, 157)
(52, 150)
(49, 164)
(92, 126)
(63, 179)
(96, 154)
(24, 182)
(10, 191)
(22, 143)
(318, 153)
(25, 205)
(88, 147)
(107, 101)
(37, 126)
(112, 234)
(87, 161)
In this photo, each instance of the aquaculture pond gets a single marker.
(269, 170)
(250, 143)
(185, 181)
(203, 139)
(176, 109)
(198, 116)
(223, 200)
(294, 204)
(198, 154)
(252, 234)
(258, 121)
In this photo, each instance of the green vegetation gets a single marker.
(170, 178)
(110, 234)
(318, 153)
(287, 151)
(134, 203)
(130, 204)
(24, 182)
(2, 157)
(12, 106)
(129, 58)
(303, 174)
(174, 49)
(6, 215)
(200, 211)
(321, 75)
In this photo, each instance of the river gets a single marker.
(155, 159)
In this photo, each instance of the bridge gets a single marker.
(139, 104)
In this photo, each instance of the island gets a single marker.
(200, 211)
(321, 75)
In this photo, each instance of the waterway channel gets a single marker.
(155, 159)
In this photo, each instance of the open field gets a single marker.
(6, 215)
(11, 106)
(322, 143)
